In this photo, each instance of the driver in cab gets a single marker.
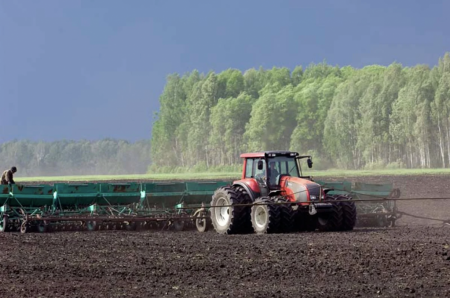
(273, 173)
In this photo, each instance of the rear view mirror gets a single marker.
(260, 165)
(310, 163)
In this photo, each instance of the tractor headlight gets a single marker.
(313, 198)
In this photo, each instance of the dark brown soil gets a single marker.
(395, 262)
(410, 260)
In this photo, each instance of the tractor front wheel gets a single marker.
(287, 215)
(266, 217)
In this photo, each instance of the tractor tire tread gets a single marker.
(240, 215)
(274, 216)
(287, 216)
(348, 213)
(335, 217)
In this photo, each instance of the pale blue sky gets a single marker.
(95, 69)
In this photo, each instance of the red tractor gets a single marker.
(278, 199)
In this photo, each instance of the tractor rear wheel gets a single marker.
(266, 217)
(247, 227)
(330, 221)
(348, 213)
(227, 218)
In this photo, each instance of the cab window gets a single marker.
(292, 168)
(249, 168)
(285, 165)
(260, 172)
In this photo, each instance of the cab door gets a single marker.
(260, 177)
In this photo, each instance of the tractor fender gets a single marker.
(253, 195)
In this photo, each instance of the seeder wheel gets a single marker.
(91, 225)
(139, 225)
(42, 226)
(4, 223)
(202, 224)
(178, 225)
(23, 227)
(131, 226)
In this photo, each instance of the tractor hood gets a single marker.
(301, 190)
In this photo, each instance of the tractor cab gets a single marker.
(267, 168)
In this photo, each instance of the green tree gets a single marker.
(202, 99)
(272, 121)
(228, 120)
(349, 117)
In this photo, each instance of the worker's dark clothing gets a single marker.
(273, 176)
(7, 177)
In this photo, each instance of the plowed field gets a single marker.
(410, 260)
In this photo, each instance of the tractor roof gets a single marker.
(269, 154)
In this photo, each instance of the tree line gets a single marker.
(103, 157)
(373, 117)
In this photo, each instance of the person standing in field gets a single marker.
(8, 176)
